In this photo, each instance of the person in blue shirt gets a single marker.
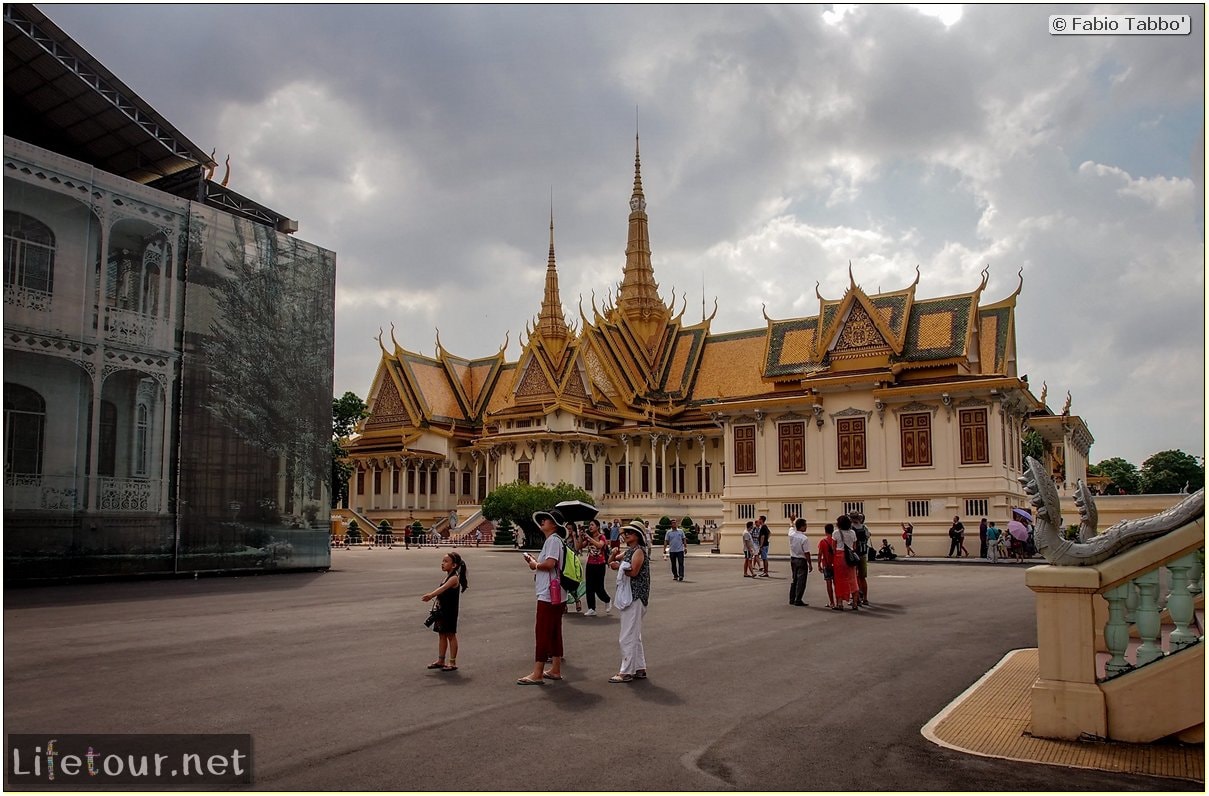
(675, 547)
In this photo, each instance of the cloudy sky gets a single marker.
(422, 144)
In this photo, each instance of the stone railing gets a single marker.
(27, 298)
(23, 492)
(1087, 616)
(679, 497)
(130, 494)
(1135, 607)
(134, 328)
(468, 524)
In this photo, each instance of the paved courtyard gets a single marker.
(326, 671)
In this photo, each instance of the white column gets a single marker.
(629, 473)
(94, 481)
(390, 487)
(677, 486)
(168, 404)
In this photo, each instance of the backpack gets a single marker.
(572, 572)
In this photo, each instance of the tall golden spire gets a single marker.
(550, 321)
(638, 297)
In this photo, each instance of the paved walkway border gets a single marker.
(991, 719)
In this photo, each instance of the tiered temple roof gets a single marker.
(634, 360)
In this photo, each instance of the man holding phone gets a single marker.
(548, 630)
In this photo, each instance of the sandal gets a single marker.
(449, 668)
(436, 664)
(552, 676)
(640, 674)
(621, 678)
(527, 680)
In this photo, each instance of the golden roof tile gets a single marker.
(436, 390)
(730, 366)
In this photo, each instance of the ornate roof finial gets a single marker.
(1044, 390)
(638, 296)
(1066, 407)
(851, 278)
(1019, 287)
(550, 320)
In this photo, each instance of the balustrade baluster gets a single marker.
(1131, 603)
(1116, 629)
(1196, 575)
(1147, 620)
(1179, 602)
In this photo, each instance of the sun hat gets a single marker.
(553, 514)
(637, 528)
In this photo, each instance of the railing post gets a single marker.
(1148, 621)
(1116, 630)
(1066, 701)
(1196, 576)
(1179, 602)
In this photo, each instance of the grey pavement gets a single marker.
(326, 671)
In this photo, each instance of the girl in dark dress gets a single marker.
(450, 593)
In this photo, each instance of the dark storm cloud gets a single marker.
(422, 144)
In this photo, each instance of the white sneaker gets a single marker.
(590, 612)
(609, 608)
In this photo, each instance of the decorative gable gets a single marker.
(387, 408)
(859, 335)
(533, 383)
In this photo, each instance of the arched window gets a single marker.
(29, 261)
(107, 452)
(142, 440)
(24, 426)
(149, 293)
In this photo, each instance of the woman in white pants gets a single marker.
(630, 564)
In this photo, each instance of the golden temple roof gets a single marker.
(633, 357)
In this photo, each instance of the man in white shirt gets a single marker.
(799, 562)
(549, 626)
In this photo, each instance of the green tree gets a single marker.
(690, 535)
(517, 501)
(503, 533)
(1123, 475)
(1031, 444)
(1168, 472)
(347, 411)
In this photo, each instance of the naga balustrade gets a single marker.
(1088, 611)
